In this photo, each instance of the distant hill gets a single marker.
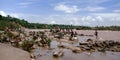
(13, 22)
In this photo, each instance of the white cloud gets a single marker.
(52, 22)
(93, 8)
(88, 19)
(66, 9)
(74, 20)
(71, 23)
(11, 14)
(117, 11)
(99, 18)
(114, 17)
(91, 2)
(15, 15)
(86, 23)
(3, 13)
(68, 6)
(25, 4)
(107, 15)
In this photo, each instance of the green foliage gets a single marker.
(83, 28)
(0, 17)
(7, 22)
(9, 34)
(27, 45)
(49, 41)
(3, 39)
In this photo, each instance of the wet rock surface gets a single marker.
(97, 45)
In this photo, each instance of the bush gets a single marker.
(49, 41)
(27, 45)
(4, 39)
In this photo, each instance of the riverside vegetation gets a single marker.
(7, 21)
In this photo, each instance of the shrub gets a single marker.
(27, 45)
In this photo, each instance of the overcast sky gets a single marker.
(76, 12)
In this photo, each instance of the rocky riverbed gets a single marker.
(106, 48)
(43, 44)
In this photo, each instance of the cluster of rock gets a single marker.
(97, 45)
(25, 40)
(63, 33)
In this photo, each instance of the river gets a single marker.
(47, 54)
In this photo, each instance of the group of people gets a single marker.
(71, 32)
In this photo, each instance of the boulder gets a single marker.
(62, 46)
(58, 53)
(83, 43)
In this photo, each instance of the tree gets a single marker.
(0, 17)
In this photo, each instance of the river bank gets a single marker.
(8, 52)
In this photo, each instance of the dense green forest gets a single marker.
(8, 22)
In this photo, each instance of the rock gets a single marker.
(20, 43)
(56, 36)
(39, 55)
(98, 44)
(62, 46)
(88, 53)
(39, 43)
(106, 45)
(76, 50)
(115, 49)
(81, 34)
(117, 43)
(32, 59)
(58, 53)
(73, 38)
(89, 40)
(83, 43)
(15, 33)
(34, 46)
(32, 56)
(86, 48)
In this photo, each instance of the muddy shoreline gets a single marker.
(8, 52)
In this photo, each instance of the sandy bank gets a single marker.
(10, 53)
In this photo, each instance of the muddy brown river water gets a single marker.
(105, 35)
(47, 54)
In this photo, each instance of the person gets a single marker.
(75, 33)
(72, 33)
(96, 34)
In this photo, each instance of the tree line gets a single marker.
(8, 22)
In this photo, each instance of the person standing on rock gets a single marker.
(96, 34)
